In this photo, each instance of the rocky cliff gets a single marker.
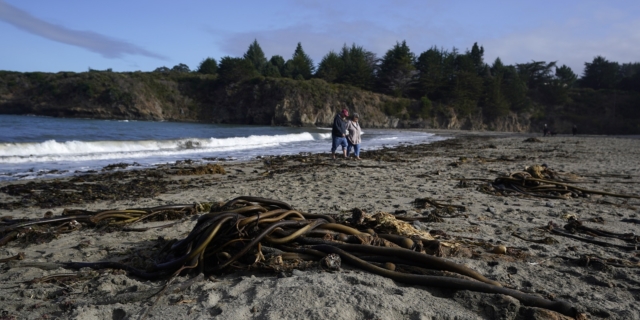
(193, 97)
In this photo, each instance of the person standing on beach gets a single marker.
(574, 130)
(545, 130)
(353, 136)
(339, 133)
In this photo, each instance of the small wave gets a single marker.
(52, 150)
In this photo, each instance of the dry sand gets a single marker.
(389, 184)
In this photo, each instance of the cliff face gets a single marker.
(190, 97)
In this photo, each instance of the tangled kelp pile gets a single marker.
(257, 233)
(540, 181)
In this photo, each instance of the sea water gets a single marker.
(35, 146)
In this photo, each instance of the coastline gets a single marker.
(387, 180)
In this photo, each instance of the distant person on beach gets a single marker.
(339, 133)
(353, 136)
(545, 130)
(574, 130)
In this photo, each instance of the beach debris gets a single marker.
(566, 232)
(119, 165)
(539, 181)
(45, 229)
(500, 249)
(209, 168)
(118, 185)
(532, 140)
(259, 233)
(421, 203)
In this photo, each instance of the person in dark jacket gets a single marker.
(339, 133)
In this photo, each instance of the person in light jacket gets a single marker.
(353, 136)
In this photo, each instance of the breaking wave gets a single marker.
(52, 150)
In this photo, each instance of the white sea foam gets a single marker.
(52, 150)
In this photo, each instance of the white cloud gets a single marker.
(95, 42)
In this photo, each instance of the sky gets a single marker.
(132, 35)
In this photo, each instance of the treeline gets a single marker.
(437, 77)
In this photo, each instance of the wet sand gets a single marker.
(601, 282)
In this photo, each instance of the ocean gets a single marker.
(36, 147)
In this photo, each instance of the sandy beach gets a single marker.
(600, 279)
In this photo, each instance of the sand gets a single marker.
(389, 184)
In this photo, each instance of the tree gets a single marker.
(630, 73)
(181, 68)
(278, 62)
(536, 73)
(600, 74)
(494, 104)
(515, 89)
(256, 56)
(476, 56)
(236, 69)
(271, 70)
(397, 72)
(432, 77)
(497, 67)
(466, 85)
(358, 67)
(565, 76)
(301, 65)
(208, 66)
(330, 68)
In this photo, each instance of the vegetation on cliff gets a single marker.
(437, 88)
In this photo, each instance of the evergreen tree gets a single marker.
(467, 85)
(630, 76)
(565, 76)
(236, 69)
(358, 67)
(431, 73)
(537, 73)
(208, 66)
(256, 56)
(476, 55)
(288, 69)
(497, 67)
(271, 70)
(494, 104)
(600, 74)
(278, 62)
(397, 72)
(515, 89)
(301, 65)
(330, 68)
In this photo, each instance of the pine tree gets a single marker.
(600, 74)
(397, 71)
(301, 65)
(278, 62)
(256, 56)
(330, 68)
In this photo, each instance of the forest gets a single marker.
(440, 78)
(435, 84)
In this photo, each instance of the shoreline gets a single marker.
(386, 180)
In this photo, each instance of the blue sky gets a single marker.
(75, 35)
